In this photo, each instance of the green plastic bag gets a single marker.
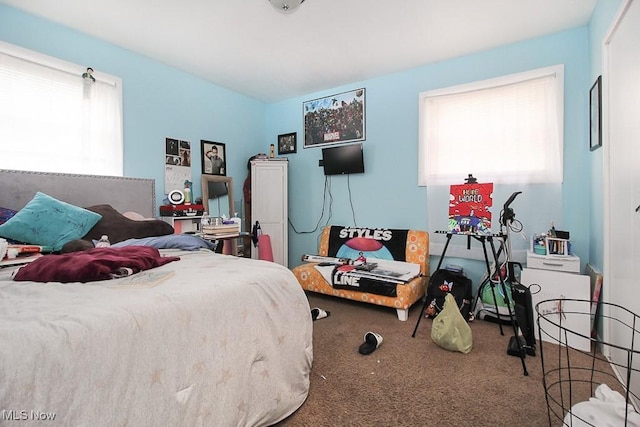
(449, 329)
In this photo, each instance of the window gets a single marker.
(508, 131)
(54, 120)
(504, 130)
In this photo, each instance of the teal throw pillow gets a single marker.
(47, 221)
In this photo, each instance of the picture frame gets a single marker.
(595, 115)
(334, 119)
(287, 143)
(214, 158)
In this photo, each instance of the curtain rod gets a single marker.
(59, 69)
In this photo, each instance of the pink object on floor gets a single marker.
(264, 248)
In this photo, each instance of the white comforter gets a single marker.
(225, 341)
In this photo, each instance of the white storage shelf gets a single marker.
(183, 224)
(564, 263)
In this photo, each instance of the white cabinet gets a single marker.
(269, 205)
(564, 263)
(572, 308)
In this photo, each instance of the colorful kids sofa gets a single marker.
(349, 242)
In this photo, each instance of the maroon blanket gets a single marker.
(91, 265)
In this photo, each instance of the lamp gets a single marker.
(286, 6)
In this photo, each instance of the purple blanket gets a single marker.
(91, 265)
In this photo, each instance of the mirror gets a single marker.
(212, 189)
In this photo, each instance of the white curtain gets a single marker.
(53, 120)
(508, 131)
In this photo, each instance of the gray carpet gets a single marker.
(413, 382)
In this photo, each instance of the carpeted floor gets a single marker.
(413, 382)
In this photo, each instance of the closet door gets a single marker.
(622, 109)
(269, 205)
(623, 83)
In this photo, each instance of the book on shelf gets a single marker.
(220, 232)
(221, 227)
(213, 236)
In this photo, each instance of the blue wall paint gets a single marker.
(387, 195)
(159, 101)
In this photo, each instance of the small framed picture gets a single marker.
(214, 158)
(287, 143)
(595, 114)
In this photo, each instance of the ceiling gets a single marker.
(251, 48)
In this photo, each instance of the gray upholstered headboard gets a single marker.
(17, 188)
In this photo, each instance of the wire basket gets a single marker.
(571, 375)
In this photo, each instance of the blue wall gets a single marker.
(159, 101)
(387, 195)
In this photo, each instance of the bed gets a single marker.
(207, 339)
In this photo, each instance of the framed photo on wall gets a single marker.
(287, 143)
(334, 119)
(214, 158)
(595, 114)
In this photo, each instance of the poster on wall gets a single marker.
(214, 158)
(177, 165)
(334, 119)
(469, 208)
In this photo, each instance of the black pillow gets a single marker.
(118, 227)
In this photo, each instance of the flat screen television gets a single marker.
(217, 189)
(344, 159)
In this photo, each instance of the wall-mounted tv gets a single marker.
(343, 159)
(217, 189)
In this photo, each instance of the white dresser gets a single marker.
(557, 278)
(563, 263)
